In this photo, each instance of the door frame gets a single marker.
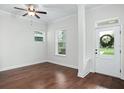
(94, 63)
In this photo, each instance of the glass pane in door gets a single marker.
(106, 43)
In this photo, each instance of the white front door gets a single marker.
(107, 51)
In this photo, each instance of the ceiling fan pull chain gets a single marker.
(31, 22)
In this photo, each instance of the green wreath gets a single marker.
(107, 40)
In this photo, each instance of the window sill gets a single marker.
(60, 55)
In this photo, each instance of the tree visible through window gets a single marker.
(61, 42)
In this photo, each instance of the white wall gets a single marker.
(70, 25)
(17, 45)
(100, 13)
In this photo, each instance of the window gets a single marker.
(61, 43)
(39, 36)
(106, 42)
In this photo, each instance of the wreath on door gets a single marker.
(107, 40)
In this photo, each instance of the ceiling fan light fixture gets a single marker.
(31, 13)
(31, 7)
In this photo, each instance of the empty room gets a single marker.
(61, 46)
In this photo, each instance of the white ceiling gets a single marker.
(89, 6)
(54, 11)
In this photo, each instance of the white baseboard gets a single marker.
(28, 64)
(18, 66)
(122, 78)
(84, 75)
(62, 64)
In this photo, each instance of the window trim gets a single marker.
(56, 43)
(43, 35)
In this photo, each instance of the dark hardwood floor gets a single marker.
(47, 75)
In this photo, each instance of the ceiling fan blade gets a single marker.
(25, 14)
(20, 8)
(37, 16)
(42, 12)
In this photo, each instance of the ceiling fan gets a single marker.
(31, 11)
